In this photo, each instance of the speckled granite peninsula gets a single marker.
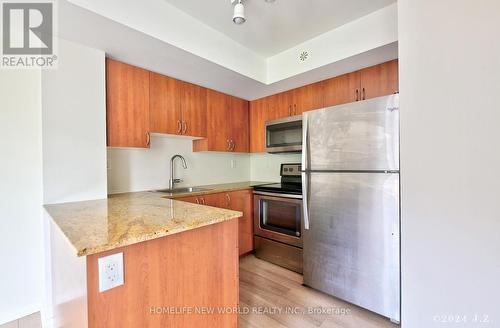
(125, 219)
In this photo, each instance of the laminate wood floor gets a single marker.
(275, 297)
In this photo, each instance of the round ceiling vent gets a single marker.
(304, 55)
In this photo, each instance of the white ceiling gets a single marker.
(274, 27)
(130, 45)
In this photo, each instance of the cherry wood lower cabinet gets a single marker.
(195, 269)
(241, 201)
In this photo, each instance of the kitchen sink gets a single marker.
(182, 190)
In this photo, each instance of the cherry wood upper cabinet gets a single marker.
(216, 122)
(177, 107)
(194, 110)
(227, 124)
(376, 81)
(164, 104)
(238, 125)
(296, 101)
(379, 80)
(259, 114)
(342, 89)
(308, 98)
(127, 105)
(281, 105)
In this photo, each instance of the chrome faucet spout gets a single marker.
(173, 181)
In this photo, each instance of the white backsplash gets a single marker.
(131, 169)
(147, 169)
(266, 167)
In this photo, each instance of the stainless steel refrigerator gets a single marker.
(350, 178)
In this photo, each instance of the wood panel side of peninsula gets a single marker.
(193, 270)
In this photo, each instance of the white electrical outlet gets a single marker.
(233, 164)
(110, 271)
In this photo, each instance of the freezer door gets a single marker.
(351, 250)
(358, 136)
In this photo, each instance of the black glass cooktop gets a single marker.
(281, 188)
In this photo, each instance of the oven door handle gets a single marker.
(305, 199)
(272, 194)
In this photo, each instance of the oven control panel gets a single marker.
(291, 169)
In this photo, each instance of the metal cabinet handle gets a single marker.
(357, 95)
(184, 129)
(197, 200)
(148, 139)
(228, 145)
(294, 109)
(228, 198)
(203, 201)
(364, 94)
(290, 110)
(232, 145)
(179, 126)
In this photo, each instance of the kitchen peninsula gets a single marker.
(176, 255)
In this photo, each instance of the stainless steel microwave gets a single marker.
(284, 135)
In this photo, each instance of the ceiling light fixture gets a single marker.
(239, 12)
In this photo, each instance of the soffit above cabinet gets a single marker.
(166, 37)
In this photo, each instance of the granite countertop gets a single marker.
(121, 220)
(216, 188)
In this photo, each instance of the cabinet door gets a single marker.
(214, 200)
(380, 80)
(242, 201)
(280, 105)
(127, 105)
(342, 89)
(164, 104)
(258, 116)
(190, 199)
(307, 98)
(238, 120)
(217, 121)
(194, 110)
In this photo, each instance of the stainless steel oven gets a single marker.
(284, 135)
(278, 217)
(278, 223)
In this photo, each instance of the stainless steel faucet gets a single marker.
(172, 180)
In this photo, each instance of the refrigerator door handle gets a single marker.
(305, 142)
(305, 199)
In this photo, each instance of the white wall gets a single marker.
(74, 125)
(450, 161)
(74, 169)
(165, 22)
(266, 167)
(147, 169)
(375, 30)
(20, 193)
